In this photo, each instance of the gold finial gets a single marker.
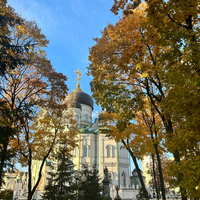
(78, 79)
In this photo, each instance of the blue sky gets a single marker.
(70, 26)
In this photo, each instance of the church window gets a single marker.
(86, 118)
(108, 151)
(124, 179)
(85, 151)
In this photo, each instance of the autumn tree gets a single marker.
(155, 127)
(128, 66)
(18, 89)
(5, 133)
(121, 76)
(6, 194)
(118, 129)
(12, 52)
(44, 137)
(138, 137)
(177, 23)
(27, 89)
(35, 94)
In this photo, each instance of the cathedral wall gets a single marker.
(124, 180)
(124, 176)
(86, 152)
(115, 159)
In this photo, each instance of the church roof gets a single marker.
(95, 131)
(84, 130)
(81, 97)
(75, 104)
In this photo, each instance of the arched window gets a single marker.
(108, 151)
(124, 179)
(86, 117)
(85, 151)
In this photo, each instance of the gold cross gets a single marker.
(78, 79)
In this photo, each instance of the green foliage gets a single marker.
(92, 188)
(6, 195)
(61, 185)
(105, 198)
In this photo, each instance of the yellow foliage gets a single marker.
(146, 73)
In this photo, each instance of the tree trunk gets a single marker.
(29, 175)
(160, 172)
(32, 191)
(154, 176)
(3, 159)
(139, 173)
(158, 158)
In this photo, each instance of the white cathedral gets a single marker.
(93, 148)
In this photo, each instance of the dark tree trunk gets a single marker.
(160, 172)
(29, 175)
(31, 190)
(138, 172)
(3, 159)
(154, 176)
(161, 180)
